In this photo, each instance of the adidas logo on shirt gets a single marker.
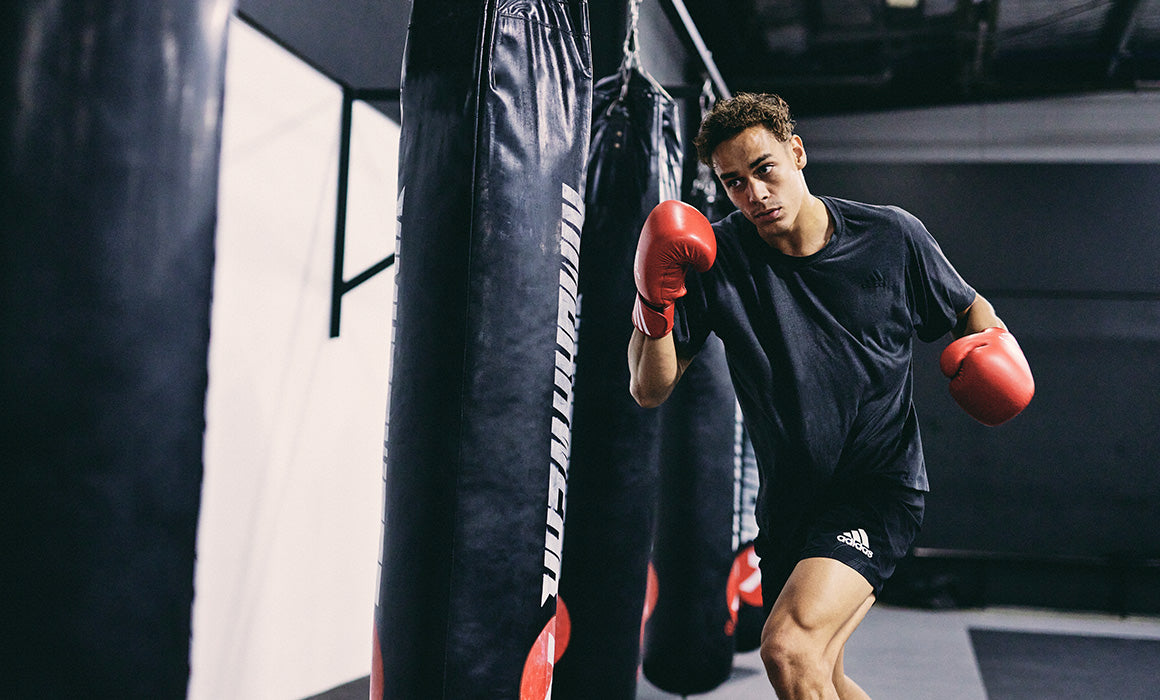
(858, 540)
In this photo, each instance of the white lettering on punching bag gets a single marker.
(745, 484)
(390, 380)
(571, 222)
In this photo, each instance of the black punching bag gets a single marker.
(110, 117)
(689, 638)
(633, 166)
(496, 104)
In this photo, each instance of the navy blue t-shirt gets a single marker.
(819, 347)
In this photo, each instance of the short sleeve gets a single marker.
(938, 294)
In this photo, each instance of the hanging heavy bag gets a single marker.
(634, 163)
(110, 129)
(689, 638)
(496, 102)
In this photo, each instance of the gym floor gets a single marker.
(994, 654)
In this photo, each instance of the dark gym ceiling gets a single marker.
(825, 56)
(852, 55)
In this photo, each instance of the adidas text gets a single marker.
(858, 540)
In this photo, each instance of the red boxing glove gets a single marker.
(990, 378)
(675, 237)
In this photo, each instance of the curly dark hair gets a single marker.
(736, 114)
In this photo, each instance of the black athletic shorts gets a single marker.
(869, 526)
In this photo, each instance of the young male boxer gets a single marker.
(817, 300)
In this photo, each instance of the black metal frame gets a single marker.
(339, 285)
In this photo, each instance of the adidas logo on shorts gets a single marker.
(858, 540)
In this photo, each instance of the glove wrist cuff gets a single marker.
(653, 321)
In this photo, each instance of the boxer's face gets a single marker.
(763, 177)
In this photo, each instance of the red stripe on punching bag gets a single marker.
(536, 683)
(377, 667)
(744, 585)
(652, 589)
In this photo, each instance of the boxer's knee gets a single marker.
(794, 659)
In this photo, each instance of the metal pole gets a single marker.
(699, 46)
(337, 288)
